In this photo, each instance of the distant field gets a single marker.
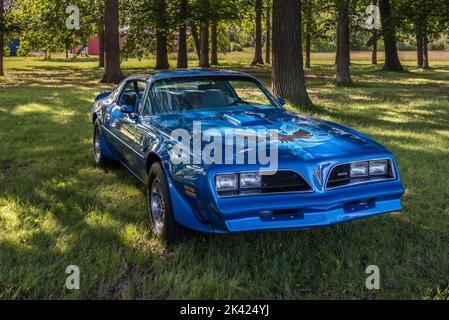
(56, 209)
(364, 56)
(235, 58)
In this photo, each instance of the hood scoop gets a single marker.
(246, 119)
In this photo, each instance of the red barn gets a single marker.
(93, 46)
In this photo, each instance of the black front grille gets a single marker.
(284, 181)
(340, 176)
(281, 181)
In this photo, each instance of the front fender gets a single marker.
(184, 206)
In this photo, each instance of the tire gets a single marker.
(99, 158)
(163, 223)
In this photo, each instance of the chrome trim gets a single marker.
(127, 145)
(129, 169)
(260, 193)
(363, 182)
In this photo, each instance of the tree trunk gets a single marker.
(112, 71)
(343, 44)
(392, 62)
(287, 72)
(214, 44)
(308, 50)
(425, 52)
(204, 45)
(419, 48)
(308, 33)
(196, 40)
(268, 26)
(161, 35)
(258, 59)
(375, 41)
(2, 12)
(374, 50)
(182, 40)
(204, 34)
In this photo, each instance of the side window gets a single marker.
(132, 93)
(126, 92)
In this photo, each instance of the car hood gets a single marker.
(299, 137)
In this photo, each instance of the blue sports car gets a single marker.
(218, 153)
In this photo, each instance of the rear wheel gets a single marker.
(99, 159)
(163, 221)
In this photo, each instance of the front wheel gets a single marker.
(159, 206)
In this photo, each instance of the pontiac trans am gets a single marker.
(325, 173)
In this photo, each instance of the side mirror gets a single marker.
(127, 108)
(102, 96)
(281, 101)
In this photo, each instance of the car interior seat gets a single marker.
(192, 99)
(128, 99)
(213, 98)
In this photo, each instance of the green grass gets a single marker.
(56, 209)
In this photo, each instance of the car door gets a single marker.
(112, 122)
(144, 132)
(124, 125)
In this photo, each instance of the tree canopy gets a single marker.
(208, 27)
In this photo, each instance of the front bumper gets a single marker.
(302, 211)
(307, 219)
(209, 213)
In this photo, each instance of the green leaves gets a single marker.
(43, 23)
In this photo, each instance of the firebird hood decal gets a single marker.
(299, 136)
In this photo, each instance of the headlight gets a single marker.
(250, 180)
(226, 182)
(359, 169)
(238, 183)
(361, 172)
(378, 168)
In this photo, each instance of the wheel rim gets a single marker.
(157, 205)
(97, 148)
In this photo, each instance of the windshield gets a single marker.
(207, 93)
